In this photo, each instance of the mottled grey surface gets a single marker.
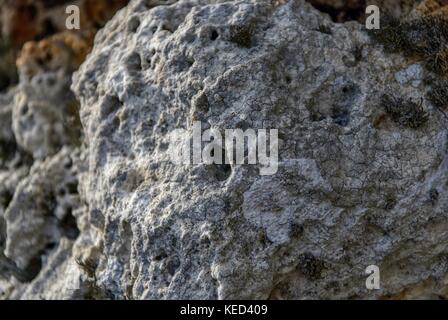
(353, 188)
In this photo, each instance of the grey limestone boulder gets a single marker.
(356, 185)
(361, 180)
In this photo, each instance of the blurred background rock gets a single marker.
(39, 116)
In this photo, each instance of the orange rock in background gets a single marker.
(433, 8)
(39, 26)
(26, 20)
(98, 12)
(63, 50)
(38, 52)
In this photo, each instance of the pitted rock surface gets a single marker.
(359, 181)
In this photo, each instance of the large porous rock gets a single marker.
(362, 175)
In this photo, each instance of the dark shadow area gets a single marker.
(351, 10)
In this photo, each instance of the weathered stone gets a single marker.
(352, 181)
(360, 180)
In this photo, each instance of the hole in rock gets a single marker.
(68, 225)
(222, 171)
(31, 271)
(8, 150)
(214, 35)
(72, 187)
(166, 27)
(134, 62)
(110, 105)
(134, 23)
(2, 233)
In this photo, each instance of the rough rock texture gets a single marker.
(362, 176)
(354, 188)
